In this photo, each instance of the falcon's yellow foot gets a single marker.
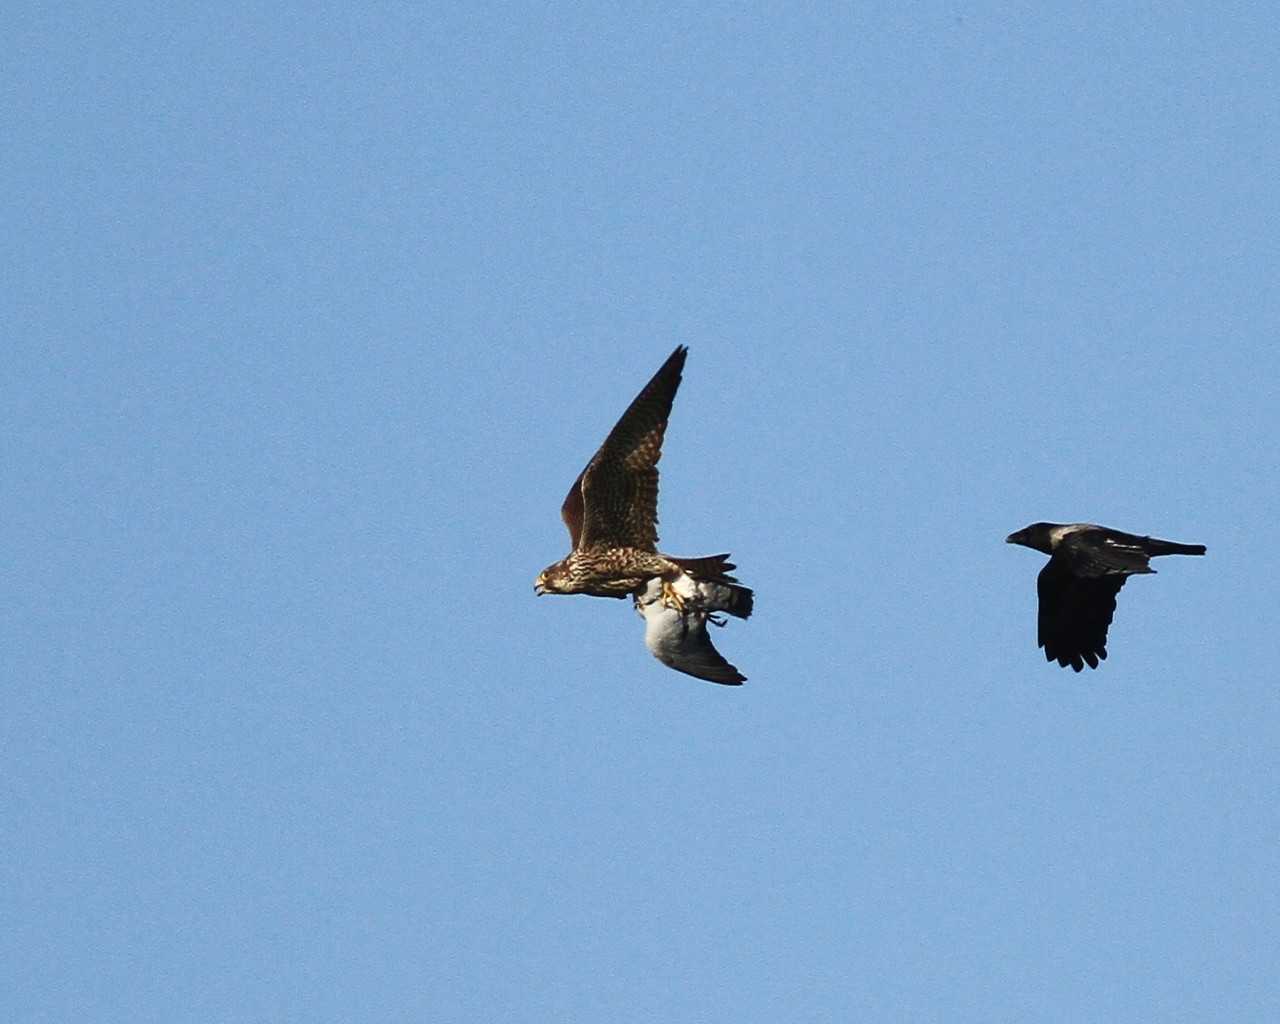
(671, 599)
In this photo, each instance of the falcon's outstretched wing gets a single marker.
(614, 501)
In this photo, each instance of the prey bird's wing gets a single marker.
(614, 501)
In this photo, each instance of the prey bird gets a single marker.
(678, 637)
(1078, 586)
(612, 515)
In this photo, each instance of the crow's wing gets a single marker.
(1075, 612)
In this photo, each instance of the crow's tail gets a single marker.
(1168, 547)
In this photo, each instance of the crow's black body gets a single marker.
(1077, 588)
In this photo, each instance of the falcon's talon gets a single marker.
(671, 597)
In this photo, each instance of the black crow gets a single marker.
(1087, 567)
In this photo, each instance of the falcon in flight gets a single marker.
(612, 515)
(678, 637)
(1078, 586)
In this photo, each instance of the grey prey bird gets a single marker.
(678, 637)
(1078, 586)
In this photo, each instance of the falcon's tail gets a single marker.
(712, 567)
(732, 597)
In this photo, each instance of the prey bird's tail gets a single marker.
(733, 598)
(720, 592)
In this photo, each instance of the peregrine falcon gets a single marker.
(612, 515)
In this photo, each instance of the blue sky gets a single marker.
(313, 314)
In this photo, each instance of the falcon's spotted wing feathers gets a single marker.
(614, 501)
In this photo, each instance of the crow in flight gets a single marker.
(1078, 586)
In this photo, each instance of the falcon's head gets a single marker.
(556, 579)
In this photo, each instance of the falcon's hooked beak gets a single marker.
(540, 584)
